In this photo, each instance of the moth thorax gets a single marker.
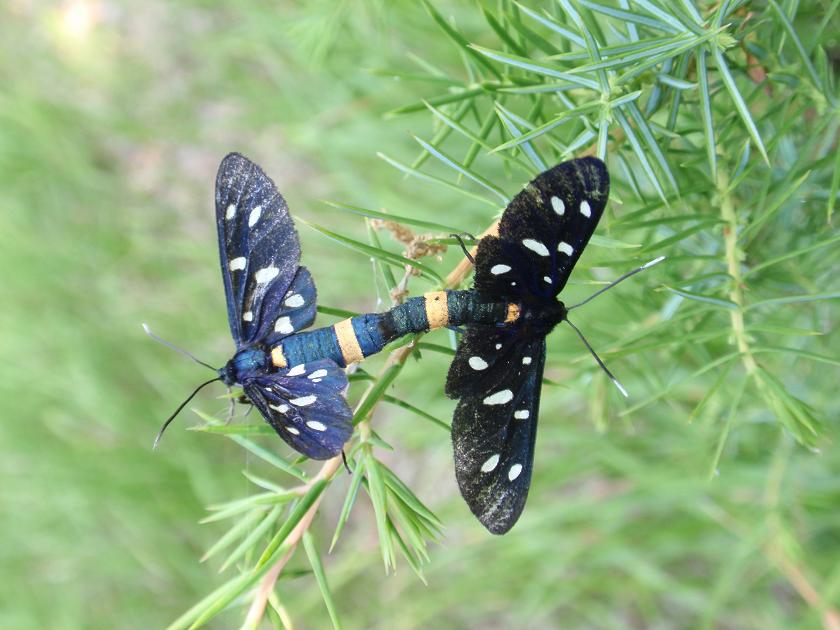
(244, 363)
(542, 319)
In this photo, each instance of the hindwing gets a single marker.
(306, 406)
(493, 434)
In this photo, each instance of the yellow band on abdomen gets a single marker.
(277, 357)
(512, 313)
(437, 309)
(350, 348)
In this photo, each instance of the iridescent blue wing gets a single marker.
(543, 232)
(285, 312)
(495, 426)
(306, 406)
(258, 245)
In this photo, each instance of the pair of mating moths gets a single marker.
(295, 377)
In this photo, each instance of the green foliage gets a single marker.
(706, 500)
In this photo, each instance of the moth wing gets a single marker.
(306, 406)
(493, 435)
(286, 311)
(543, 232)
(258, 244)
(486, 356)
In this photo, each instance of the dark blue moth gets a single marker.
(269, 297)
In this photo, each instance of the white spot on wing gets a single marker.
(535, 246)
(585, 210)
(565, 248)
(230, 212)
(294, 301)
(248, 316)
(514, 471)
(237, 264)
(303, 401)
(498, 346)
(499, 398)
(318, 426)
(521, 414)
(477, 363)
(254, 216)
(497, 270)
(280, 408)
(491, 463)
(297, 370)
(292, 430)
(318, 374)
(547, 279)
(526, 360)
(284, 325)
(558, 205)
(266, 274)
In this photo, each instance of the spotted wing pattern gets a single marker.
(258, 245)
(543, 232)
(493, 434)
(497, 371)
(306, 406)
(286, 311)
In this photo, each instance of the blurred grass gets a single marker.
(111, 126)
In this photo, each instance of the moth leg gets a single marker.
(344, 459)
(464, 247)
(231, 407)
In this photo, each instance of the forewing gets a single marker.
(543, 232)
(306, 406)
(258, 244)
(493, 436)
(286, 311)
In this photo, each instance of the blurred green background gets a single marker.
(113, 118)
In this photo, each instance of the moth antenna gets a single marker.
(615, 381)
(178, 410)
(653, 262)
(172, 346)
(464, 247)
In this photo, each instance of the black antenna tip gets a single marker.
(178, 410)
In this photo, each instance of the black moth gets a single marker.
(497, 371)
